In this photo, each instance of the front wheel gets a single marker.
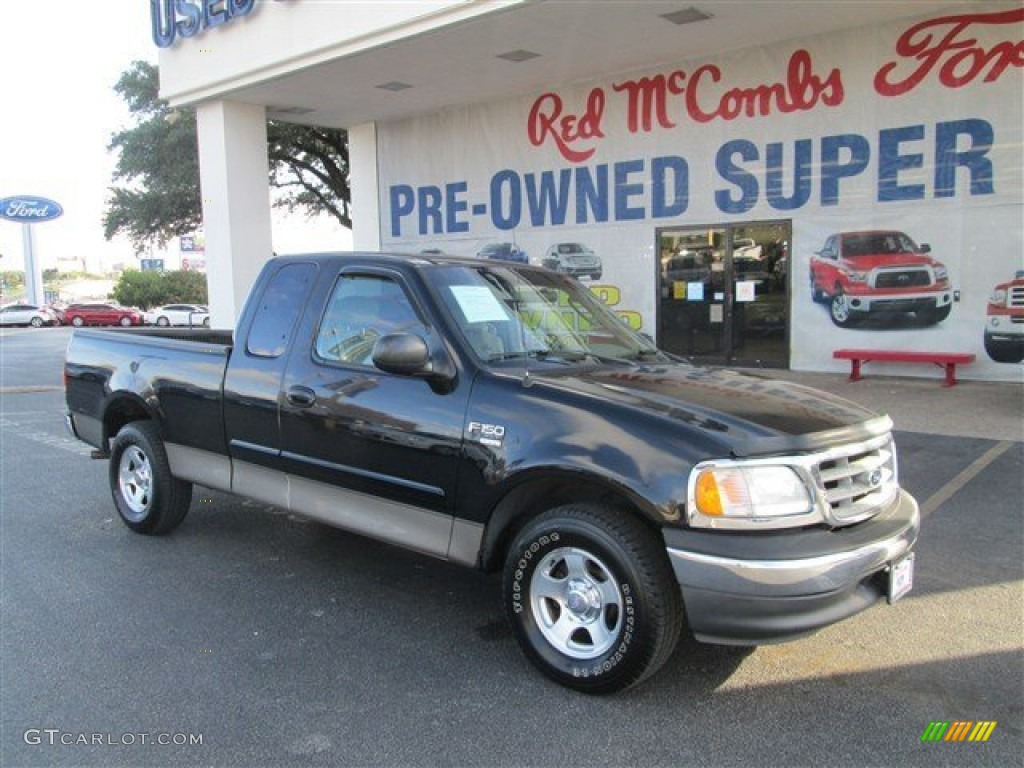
(841, 312)
(591, 597)
(934, 315)
(163, 322)
(147, 496)
(36, 322)
(125, 322)
(78, 322)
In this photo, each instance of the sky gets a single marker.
(59, 61)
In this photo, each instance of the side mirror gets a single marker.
(924, 248)
(407, 354)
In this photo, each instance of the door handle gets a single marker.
(302, 397)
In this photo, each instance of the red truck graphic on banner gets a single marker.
(879, 273)
(1004, 321)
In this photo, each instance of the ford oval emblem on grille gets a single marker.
(875, 478)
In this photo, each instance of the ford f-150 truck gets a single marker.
(500, 416)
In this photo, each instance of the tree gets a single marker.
(152, 289)
(156, 195)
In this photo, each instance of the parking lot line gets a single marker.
(945, 493)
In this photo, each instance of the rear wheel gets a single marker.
(147, 496)
(77, 321)
(592, 598)
(162, 321)
(36, 322)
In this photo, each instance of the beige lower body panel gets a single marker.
(407, 526)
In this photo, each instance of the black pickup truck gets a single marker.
(500, 416)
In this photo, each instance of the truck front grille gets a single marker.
(903, 278)
(1015, 297)
(857, 481)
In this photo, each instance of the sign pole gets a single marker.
(33, 269)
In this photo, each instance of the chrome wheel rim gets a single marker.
(840, 308)
(576, 603)
(135, 481)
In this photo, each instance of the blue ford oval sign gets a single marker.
(29, 209)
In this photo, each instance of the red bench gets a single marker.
(947, 360)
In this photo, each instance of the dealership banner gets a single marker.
(912, 128)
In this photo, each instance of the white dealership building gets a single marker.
(749, 182)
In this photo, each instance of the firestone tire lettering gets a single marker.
(619, 558)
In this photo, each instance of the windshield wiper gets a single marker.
(540, 354)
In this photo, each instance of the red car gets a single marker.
(101, 314)
(875, 272)
(1004, 322)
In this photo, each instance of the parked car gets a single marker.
(1004, 323)
(101, 313)
(451, 406)
(573, 259)
(27, 314)
(689, 265)
(746, 248)
(178, 314)
(869, 273)
(503, 252)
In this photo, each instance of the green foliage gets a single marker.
(152, 289)
(158, 165)
(12, 278)
(156, 195)
(309, 166)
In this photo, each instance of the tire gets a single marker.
(934, 315)
(36, 322)
(1004, 351)
(162, 321)
(148, 497)
(591, 597)
(77, 321)
(840, 312)
(124, 322)
(817, 295)
(206, 322)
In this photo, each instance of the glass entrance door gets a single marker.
(724, 293)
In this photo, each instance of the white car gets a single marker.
(573, 259)
(27, 314)
(746, 248)
(178, 314)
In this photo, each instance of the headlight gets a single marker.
(998, 297)
(941, 273)
(857, 277)
(749, 496)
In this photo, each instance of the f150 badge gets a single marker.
(487, 434)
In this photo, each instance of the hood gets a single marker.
(870, 261)
(749, 413)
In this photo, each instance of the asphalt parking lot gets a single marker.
(277, 641)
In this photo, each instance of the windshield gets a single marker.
(506, 313)
(877, 243)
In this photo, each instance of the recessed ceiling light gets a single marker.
(686, 16)
(394, 85)
(518, 56)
